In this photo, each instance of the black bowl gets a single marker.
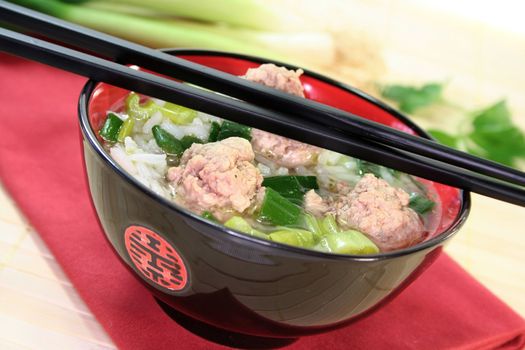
(236, 282)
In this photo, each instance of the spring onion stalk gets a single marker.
(126, 129)
(420, 204)
(328, 225)
(111, 127)
(167, 142)
(303, 48)
(311, 223)
(239, 224)
(295, 237)
(347, 242)
(215, 128)
(189, 140)
(254, 14)
(209, 216)
(137, 110)
(231, 129)
(178, 114)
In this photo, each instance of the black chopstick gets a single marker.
(131, 53)
(255, 116)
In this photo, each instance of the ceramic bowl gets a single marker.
(233, 281)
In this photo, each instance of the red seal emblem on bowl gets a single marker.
(155, 258)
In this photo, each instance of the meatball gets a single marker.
(278, 78)
(381, 212)
(315, 204)
(218, 177)
(283, 151)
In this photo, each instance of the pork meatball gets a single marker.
(218, 177)
(281, 150)
(285, 152)
(381, 212)
(278, 78)
(315, 204)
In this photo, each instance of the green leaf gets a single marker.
(493, 117)
(411, 98)
(494, 136)
(444, 138)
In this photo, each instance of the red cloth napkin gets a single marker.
(41, 167)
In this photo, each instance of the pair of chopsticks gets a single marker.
(305, 120)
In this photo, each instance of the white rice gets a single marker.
(196, 128)
(141, 156)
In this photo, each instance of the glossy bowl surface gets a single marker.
(237, 282)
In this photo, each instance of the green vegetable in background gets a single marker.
(494, 136)
(444, 137)
(410, 98)
(489, 133)
(165, 23)
(253, 14)
(111, 127)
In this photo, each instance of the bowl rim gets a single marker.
(89, 135)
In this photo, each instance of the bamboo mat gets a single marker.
(50, 315)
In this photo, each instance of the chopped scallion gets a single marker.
(215, 128)
(137, 110)
(209, 216)
(178, 114)
(166, 141)
(111, 127)
(189, 140)
(126, 129)
(231, 129)
(420, 204)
